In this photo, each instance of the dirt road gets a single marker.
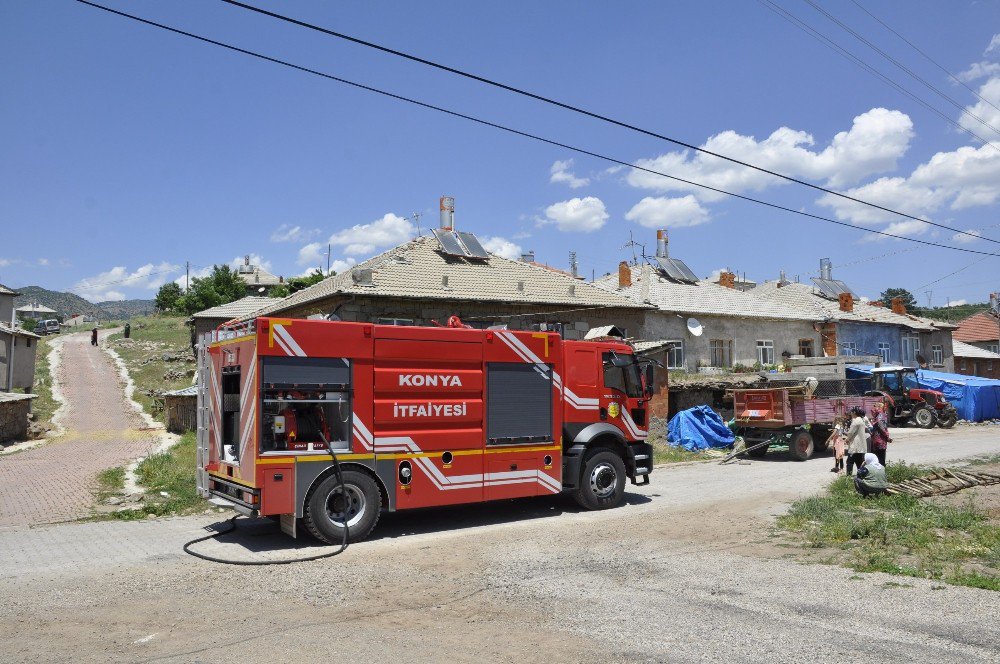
(54, 482)
(685, 571)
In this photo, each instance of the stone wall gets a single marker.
(180, 412)
(14, 417)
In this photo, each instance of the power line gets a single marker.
(901, 66)
(802, 25)
(86, 285)
(524, 134)
(927, 57)
(951, 274)
(592, 114)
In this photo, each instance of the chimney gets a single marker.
(782, 279)
(624, 275)
(825, 268)
(727, 279)
(573, 268)
(662, 250)
(898, 307)
(528, 257)
(448, 213)
(846, 302)
(646, 276)
(876, 303)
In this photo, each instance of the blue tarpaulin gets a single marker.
(698, 428)
(976, 399)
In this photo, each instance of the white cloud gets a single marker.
(985, 110)
(876, 140)
(289, 233)
(109, 285)
(979, 70)
(560, 173)
(668, 212)
(502, 247)
(966, 239)
(336, 267)
(583, 215)
(388, 231)
(43, 262)
(312, 254)
(993, 45)
(957, 303)
(4, 262)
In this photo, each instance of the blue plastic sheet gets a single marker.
(698, 428)
(976, 399)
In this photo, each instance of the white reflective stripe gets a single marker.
(281, 334)
(631, 425)
(247, 385)
(216, 410)
(581, 403)
(525, 351)
(503, 337)
(282, 345)
(362, 433)
(245, 438)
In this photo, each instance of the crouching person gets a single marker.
(871, 480)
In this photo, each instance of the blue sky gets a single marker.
(128, 151)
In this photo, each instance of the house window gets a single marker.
(675, 355)
(993, 348)
(962, 366)
(806, 347)
(765, 351)
(395, 321)
(721, 352)
(989, 367)
(883, 351)
(850, 348)
(937, 354)
(911, 347)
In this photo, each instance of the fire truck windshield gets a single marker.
(622, 375)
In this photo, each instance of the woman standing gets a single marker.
(880, 432)
(857, 441)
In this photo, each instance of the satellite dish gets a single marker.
(694, 327)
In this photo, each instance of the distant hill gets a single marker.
(70, 304)
(951, 314)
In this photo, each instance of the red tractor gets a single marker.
(906, 404)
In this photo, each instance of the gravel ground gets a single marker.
(685, 571)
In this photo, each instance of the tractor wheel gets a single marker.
(801, 445)
(924, 417)
(327, 507)
(948, 421)
(602, 482)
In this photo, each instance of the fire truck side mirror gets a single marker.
(649, 378)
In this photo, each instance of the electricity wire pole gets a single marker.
(187, 276)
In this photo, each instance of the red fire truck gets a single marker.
(417, 417)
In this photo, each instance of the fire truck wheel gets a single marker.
(602, 483)
(924, 417)
(325, 508)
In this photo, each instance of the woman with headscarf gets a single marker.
(880, 431)
(857, 441)
(871, 480)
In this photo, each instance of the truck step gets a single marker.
(642, 471)
(641, 457)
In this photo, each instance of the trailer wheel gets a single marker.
(326, 506)
(924, 417)
(602, 482)
(801, 445)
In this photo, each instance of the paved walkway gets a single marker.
(55, 482)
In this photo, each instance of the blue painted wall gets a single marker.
(868, 336)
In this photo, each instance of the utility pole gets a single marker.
(187, 276)
(928, 294)
(329, 248)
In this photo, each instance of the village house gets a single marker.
(976, 361)
(209, 319)
(429, 279)
(258, 280)
(852, 327)
(981, 330)
(35, 311)
(701, 326)
(17, 347)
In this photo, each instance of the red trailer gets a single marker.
(764, 413)
(416, 416)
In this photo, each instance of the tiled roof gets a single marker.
(259, 277)
(20, 331)
(6, 291)
(978, 327)
(806, 298)
(417, 269)
(966, 350)
(704, 298)
(190, 391)
(15, 396)
(237, 309)
(36, 308)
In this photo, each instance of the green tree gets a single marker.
(296, 284)
(167, 296)
(222, 286)
(909, 301)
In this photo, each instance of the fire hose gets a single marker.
(232, 527)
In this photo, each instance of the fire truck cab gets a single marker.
(417, 417)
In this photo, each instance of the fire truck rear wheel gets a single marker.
(326, 507)
(602, 483)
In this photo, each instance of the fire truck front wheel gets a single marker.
(602, 483)
(327, 508)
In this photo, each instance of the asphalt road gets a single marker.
(686, 570)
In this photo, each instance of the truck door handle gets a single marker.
(513, 466)
(604, 413)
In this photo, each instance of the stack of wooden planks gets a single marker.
(944, 481)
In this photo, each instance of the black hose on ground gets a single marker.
(232, 527)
